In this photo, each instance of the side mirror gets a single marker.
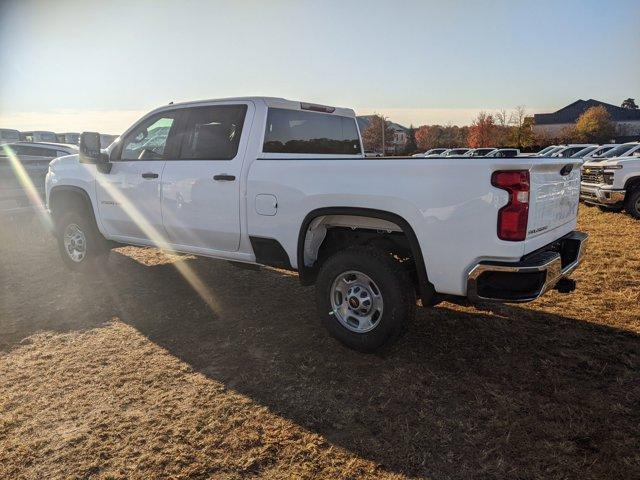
(90, 151)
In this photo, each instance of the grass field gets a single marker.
(130, 374)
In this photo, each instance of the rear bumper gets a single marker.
(532, 276)
(601, 196)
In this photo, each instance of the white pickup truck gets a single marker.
(613, 181)
(280, 183)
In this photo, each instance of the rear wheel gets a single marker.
(632, 203)
(365, 298)
(80, 242)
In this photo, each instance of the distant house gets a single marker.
(552, 124)
(400, 133)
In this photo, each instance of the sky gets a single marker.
(100, 65)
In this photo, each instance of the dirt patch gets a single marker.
(131, 374)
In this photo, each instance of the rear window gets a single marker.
(295, 131)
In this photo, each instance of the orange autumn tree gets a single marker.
(483, 132)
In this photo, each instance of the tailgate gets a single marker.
(554, 197)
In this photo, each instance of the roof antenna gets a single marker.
(171, 102)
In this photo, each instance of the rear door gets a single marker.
(201, 187)
(129, 196)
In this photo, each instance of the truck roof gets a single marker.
(275, 102)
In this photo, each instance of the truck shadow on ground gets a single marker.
(464, 391)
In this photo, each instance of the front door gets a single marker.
(201, 188)
(129, 196)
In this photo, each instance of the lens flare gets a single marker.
(159, 240)
(27, 185)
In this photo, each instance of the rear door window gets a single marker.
(212, 133)
(296, 131)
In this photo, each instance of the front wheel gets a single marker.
(632, 203)
(80, 242)
(365, 298)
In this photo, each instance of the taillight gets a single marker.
(513, 217)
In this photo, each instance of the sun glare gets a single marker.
(27, 184)
(160, 241)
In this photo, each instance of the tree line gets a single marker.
(503, 129)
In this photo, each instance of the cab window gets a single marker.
(149, 140)
(296, 131)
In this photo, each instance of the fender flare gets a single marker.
(77, 190)
(632, 182)
(426, 288)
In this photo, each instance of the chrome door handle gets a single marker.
(149, 175)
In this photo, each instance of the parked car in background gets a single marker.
(8, 135)
(70, 138)
(598, 153)
(504, 153)
(585, 151)
(34, 158)
(545, 150)
(454, 152)
(39, 136)
(269, 181)
(551, 151)
(371, 153)
(569, 150)
(613, 183)
(479, 152)
(434, 152)
(106, 139)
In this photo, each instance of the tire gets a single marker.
(347, 280)
(608, 208)
(632, 203)
(81, 245)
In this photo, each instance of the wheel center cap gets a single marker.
(353, 302)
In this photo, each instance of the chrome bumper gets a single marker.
(544, 267)
(601, 196)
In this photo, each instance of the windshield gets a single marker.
(552, 151)
(457, 151)
(544, 151)
(599, 151)
(583, 152)
(619, 151)
(479, 152)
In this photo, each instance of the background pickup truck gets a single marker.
(613, 182)
(286, 184)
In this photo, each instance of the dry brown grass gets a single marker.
(130, 375)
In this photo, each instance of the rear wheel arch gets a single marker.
(308, 273)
